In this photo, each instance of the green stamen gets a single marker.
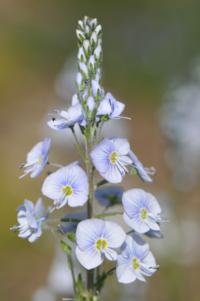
(68, 191)
(114, 157)
(135, 264)
(144, 213)
(101, 244)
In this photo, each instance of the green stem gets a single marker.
(71, 266)
(90, 173)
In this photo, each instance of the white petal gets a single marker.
(137, 225)
(88, 232)
(114, 234)
(125, 273)
(89, 258)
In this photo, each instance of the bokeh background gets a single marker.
(151, 62)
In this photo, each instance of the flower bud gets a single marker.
(83, 68)
(98, 51)
(96, 89)
(80, 35)
(93, 38)
(98, 29)
(81, 54)
(75, 100)
(86, 45)
(79, 78)
(92, 62)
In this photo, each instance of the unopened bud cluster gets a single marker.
(89, 34)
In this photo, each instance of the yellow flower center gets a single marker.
(68, 191)
(135, 264)
(143, 213)
(101, 244)
(114, 157)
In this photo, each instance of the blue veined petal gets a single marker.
(89, 258)
(114, 234)
(136, 224)
(125, 273)
(110, 254)
(88, 232)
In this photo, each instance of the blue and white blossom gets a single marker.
(37, 159)
(96, 240)
(135, 261)
(110, 107)
(109, 195)
(142, 211)
(67, 119)
(68, 185)
(111, 159)
(30, 218)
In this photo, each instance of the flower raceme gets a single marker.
(30, 218)
(37, 159)
(68, 185)
(112, 157)
(96, 240)
(135, 261)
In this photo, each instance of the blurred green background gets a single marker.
(146, 44)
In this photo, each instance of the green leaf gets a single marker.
(71, 236)
(65, 247)
(133, 171)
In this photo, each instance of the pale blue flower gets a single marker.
(135, 261)
(30, 218)
(67, 119)
(142, 211)
(110, 106)
(96, 240)
(68, 185)
(109, 195)
(37, 159)
(111, 159)
(143, 172)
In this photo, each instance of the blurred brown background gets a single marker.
(146, 44)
